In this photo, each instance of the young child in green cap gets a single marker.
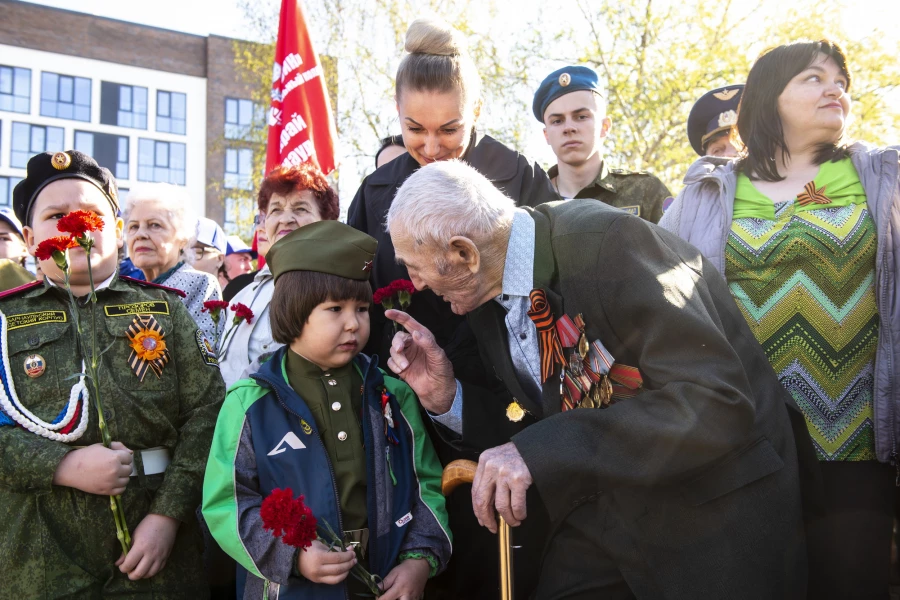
(323, 420)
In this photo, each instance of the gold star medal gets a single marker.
(515, 412)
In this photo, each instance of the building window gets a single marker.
(110, 151)
(171, 111)
(238, 166)
(65, 97)
(7, 185)
(238, 211)
(241, 116)
(161, 161)
(15, 89)
(123, 105)
(28, 140)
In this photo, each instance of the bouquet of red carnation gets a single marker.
(78, 224)
(292, 520)
(215, 308)
(397, 293)
(241, 312)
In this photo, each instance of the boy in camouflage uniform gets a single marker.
(57, 533)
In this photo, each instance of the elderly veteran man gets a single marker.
(637, 402)
(570, 104)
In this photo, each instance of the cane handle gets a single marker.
(457, 473)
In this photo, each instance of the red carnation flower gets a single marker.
(60, 244)
(405, 285)
(79, 222)
(242, 311)
(286, 516)
(378, 296)
(214, 306)
(303, 532)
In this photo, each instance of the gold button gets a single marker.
(342, 435)
(336, 406)
(332, 382)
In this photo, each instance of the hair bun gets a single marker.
(433, 36)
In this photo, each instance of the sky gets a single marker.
(224, 17)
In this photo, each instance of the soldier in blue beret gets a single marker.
(712, 119)
(570, 104)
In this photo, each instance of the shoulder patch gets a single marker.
(36, 318)
(22, 288)
(207, 352)
(633, 210)
(142, 283)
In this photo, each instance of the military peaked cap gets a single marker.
(714, 112)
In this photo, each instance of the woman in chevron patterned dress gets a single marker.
(800, 224)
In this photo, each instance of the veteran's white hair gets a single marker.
(176, 208)
(449, 198)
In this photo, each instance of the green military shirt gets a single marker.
(637, 192)
(59, 541)
(335, 399)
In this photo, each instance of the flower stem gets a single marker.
(93, 367)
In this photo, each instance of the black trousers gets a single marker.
(850, 544)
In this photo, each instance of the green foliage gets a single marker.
(656, 57)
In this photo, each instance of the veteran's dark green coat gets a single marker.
(702, 465)
(60, 542)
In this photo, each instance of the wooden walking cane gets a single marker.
(459, 472)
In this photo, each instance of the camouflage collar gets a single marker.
(602, 180)
(115, 284)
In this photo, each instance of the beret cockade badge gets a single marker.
(565, 79)
(729, 117)
(61, 161)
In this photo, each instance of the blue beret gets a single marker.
(561, 82)
(714, 112)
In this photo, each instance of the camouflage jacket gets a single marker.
(637, 192)
(61, 542)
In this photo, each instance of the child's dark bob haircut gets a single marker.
(297, 293)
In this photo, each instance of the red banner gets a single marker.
(301, 127)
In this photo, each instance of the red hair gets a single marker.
(306, 176)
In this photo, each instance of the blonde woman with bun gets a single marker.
(438, 95)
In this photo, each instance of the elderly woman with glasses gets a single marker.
(289, 198)
(160, 232)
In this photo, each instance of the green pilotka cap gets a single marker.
(325, 247)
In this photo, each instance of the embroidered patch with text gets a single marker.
(137, 308)
(635, 210)
(206, 349)
(36, 318)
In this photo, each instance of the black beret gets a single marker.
(561, 82)
(714, 112)
(48, 167)
(325, 247)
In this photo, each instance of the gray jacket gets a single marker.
(702, 215)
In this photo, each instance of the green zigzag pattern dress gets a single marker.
(802, 273)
